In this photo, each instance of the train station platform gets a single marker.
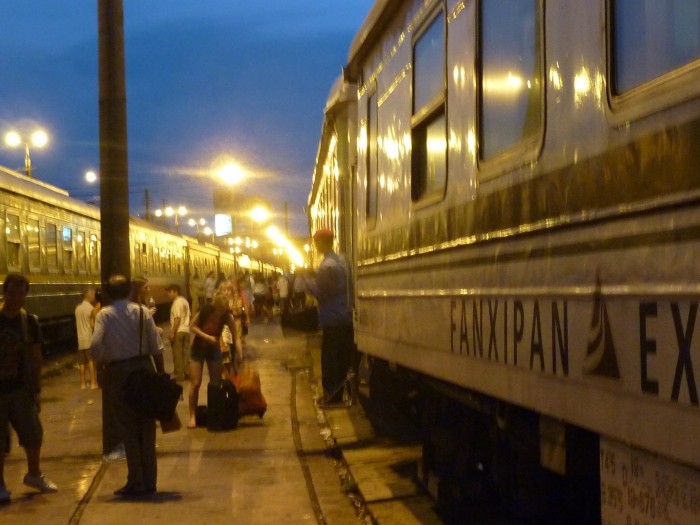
(298, 464)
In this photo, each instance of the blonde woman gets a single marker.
(226, 334)
(207, 326)
(241, 311)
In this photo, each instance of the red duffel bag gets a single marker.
(250, 397)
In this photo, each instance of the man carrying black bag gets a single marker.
(125, 339)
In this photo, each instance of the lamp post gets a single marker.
(169, 211)
(38, 138)
(197, 223)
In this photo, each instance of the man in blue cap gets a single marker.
(335, 316)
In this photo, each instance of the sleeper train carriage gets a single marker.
(517, 185)
(55, 241)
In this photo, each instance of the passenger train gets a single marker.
(517, 185)
(55, 241)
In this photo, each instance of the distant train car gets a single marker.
(55, 241)
(161, 257)
(525, 226)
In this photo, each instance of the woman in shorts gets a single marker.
(207, 326)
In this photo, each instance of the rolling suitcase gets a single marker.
(250, 397)
(222, 407)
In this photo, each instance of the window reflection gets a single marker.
(372, 158)
(651, 38)
(511, 73)
(429, 130)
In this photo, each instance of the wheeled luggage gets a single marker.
(250, 397)
(222, 407)
(200, 415)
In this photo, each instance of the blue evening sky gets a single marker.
(206, 80)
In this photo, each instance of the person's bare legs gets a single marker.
(195, 383)
(215, 368)
(93, 376)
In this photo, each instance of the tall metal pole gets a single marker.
(27, 161)
(114, 175)
(148, 206)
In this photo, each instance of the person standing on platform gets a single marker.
(207, 326)
(299, 296)
(283, 290)
(83, 325)
(335, 316)
(179, 331)
(209, 286)
(20, 383)
(125, 340)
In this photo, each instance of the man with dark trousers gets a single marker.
(125, 340)
(335, 316)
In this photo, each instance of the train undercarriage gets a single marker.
(484, 459)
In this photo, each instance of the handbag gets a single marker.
(149, 393)
(172, 425)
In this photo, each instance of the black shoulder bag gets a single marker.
(149, 393)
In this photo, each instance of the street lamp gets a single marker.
(231, 173)
(169, 211)
(197, 223)
(90, 176)
(38, 138)
(307, 249)
(259, 214)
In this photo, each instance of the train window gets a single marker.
(651, 38)
(33, 244)
(13, 236)
(137, 258)
(82, 251)
(144, 257)
(51, 246)
(510, 84)
(429, 132)
(67, 249)
(372, 158)
(94, 253)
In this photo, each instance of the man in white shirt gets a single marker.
(83, 325)
(125, 339)
(283, 290)
(179, 331)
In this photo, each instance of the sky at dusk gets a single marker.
(206, 81)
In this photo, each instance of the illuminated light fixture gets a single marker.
(231, 173)
(259, 214)
(38, 138)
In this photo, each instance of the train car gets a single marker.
(526, 230)
(202, 259)
(161, 257)
(227, 263)
(55, 241)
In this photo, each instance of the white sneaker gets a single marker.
(40, 483)
(4, 495)
(117, 454)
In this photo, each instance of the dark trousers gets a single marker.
(137, 431)
(336, 358)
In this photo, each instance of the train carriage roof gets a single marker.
(377, 19)
(14, 182)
